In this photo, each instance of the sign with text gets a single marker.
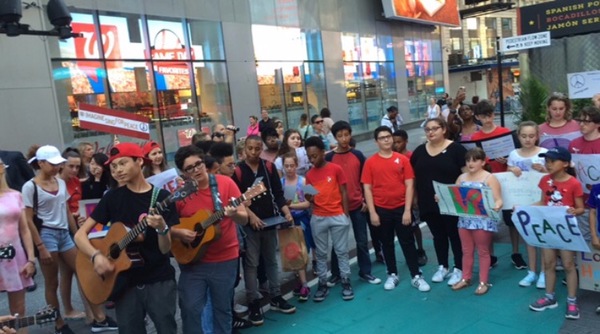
(443, 12)
(524, 42)
(583, 85)
(113, 121)
(522, 190)
(560, 18)
(495, 147)
(549, 227)
(587, 170)
(588, 265)
(464, 201)
(167, 180)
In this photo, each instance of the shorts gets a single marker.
(56, 240)
(506, 217)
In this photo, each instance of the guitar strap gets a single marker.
(214, 190)
(155, 191)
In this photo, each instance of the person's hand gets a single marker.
(364, 207)
(502, 160)
(288, 202)
(102, 265)
(79, 220)
(45, 257)
(596, 242)
(186, 235)
(571, 211)
(375, 219)
(309, 197)
(6, 329)
(516, 171)
(156, 222)
(28, 270)
(436, 198)
(256, 223)
(289, 218)
(538, 167)
(406, 218)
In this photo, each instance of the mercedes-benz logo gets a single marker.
(577, 81)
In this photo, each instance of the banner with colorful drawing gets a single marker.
(549, 227)
(464, 201)
(588, 265)
(587, 169)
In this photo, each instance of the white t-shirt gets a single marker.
(525, 163)
(303, 163)
(52, 209)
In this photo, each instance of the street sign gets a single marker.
(524, 42)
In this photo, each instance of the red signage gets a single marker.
(113, 121)
(168, 46)
(87, 47)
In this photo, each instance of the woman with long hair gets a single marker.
(98, 181)
(292, 142)
(86, 150)
(559, 128)
(158, 164)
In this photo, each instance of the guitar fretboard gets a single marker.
(19, 323)
(141, 226)
(221, 213)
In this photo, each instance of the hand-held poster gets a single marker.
(587, 169)
(495, 147)
(522, 190)
(464, 201)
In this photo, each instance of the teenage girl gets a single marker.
(521, 160)
(559, 128)
(154, 154)
(559, 188)
(477, 232)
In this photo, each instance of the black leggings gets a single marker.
(445, 228)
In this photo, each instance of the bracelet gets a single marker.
(164, 231)
(94, 255)
(40, 244)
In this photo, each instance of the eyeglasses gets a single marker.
(584, 121)
(194, 167)
(432, 129)
(388, 137)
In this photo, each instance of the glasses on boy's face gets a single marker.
(194, 167)
(384, 138)
(584, 121)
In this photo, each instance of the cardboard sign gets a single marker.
(549, 227)
(464, 201)
(166, 180)
(589, 269)
(522, 190)
(113, 121)
(587, 170)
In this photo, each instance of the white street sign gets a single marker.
(523, 42)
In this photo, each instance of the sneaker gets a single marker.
(321, 293)
(333, 281)
(493, 261)
(572, 311)
(347, 293)
(559, 264)
(529, 279)
(304, 294)
(107, 325)
(31, 288)
(370, 278)
(240, 310)
(421, 257)
(543, 303)
(391, 282)
(65, 329)
(297, 289)
(440, 274)
(419, 283)
(564, 281)
(281, 305)
(240, 323)
(455, 276)
(256, 315)
(541, 282)
(518, 261)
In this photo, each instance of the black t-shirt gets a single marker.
(444, 168)
(123, 205)
(262, 124)
(90, 189)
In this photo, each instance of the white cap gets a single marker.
(48, 153)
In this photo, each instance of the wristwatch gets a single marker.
(164, 231)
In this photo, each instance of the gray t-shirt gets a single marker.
(52, 209)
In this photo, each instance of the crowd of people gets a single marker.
(379, 197)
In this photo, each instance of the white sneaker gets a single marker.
(419, 283)
(529, 279)
(455, 277)
(391, 282)
(541, 282)
(440, 275)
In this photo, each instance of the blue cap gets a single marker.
(557, 153)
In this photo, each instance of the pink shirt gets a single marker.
(561, 136)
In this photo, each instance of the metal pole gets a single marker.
(500, 84)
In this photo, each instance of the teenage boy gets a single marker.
(484, 112)
(223, 152)
(149, 285)
(400, 141)
(352, 161)
(261, 240)
(588, 143)
(215, 273)
(388, 180)
(330, 217)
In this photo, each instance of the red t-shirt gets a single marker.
(386, 177)
(227, 246)
(327, 180)
(480, 135)
(582, 146)
(74, 190)
(560, 193)
(408, 154)
(351, 163)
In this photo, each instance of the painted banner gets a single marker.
(495, 147)
(588, 265)
(549, 227)
(167, 180)
(113, 121)
(522, 190)
(443, 12)
(86, 207)
(563, 140)
(587, 169)
(464, 201)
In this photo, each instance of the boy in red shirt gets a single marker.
(388, 180)
(330, 216)
(485, 114)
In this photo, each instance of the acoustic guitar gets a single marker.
(207, 230)
(47, 314)
(97, 288)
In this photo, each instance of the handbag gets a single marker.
(292, 248)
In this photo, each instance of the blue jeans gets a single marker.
(207, 316)
(195, 283)
(359, 226)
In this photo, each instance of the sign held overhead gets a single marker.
(524, 42)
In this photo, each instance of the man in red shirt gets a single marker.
(388, 180)
(330, 216)
(216, 272)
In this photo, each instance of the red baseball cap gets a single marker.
(149, 146)
(125, 150)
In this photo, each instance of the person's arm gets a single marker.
(71, 220)
(277, 192)
(594, 228)
(6, 329)
(371, 205)
(45, 257)
(29, 269)
(493, 183)
(157, 222)
(579, 208)
(438, 111)
(410, 194)
(101, 263)
(238, 214)
(344, 193)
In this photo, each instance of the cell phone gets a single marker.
(462, 88)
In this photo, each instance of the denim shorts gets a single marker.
(56, 240)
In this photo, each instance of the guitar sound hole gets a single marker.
(199, 235)
(114, 251)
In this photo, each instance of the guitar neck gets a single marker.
(140, 227)
(215, 217)
(19, 322)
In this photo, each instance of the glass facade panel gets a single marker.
(207, 40)
(122, 36)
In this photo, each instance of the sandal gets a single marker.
(482, 288)
(463, 283)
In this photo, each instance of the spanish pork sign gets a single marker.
(561, 18)
(113, 121)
